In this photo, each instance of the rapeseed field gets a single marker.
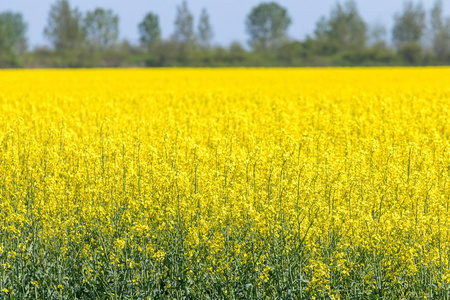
(225, 184)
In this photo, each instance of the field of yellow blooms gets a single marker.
(225, 184)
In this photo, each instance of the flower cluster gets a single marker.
(287, 183)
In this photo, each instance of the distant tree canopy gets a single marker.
(64, 26)
(13, 42)
(149, 30)
(184, 26)
(377, 35)
(408, 31)
(267, 26)
(440, 27)
(343, 30)
(12, 33)
(205, 31)
(409, 25)
(341, 38)
(101, 28)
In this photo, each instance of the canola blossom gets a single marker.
(225, 184)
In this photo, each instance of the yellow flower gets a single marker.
(338, 178)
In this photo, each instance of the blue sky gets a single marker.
(227, 16)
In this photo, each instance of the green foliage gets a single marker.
(340, 39)
(377, 36)
(64, 26)
(291, 53)
(411, 53)
(205, 31)
(184, 26)
(101, 29)
(13, 41)
(344, 30)
(440, 28)
(267, 26)
(409, 25)
(12, 32)
(149, 30)
(365, 57)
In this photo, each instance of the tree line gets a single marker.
(342, 38)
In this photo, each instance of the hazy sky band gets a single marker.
(227, 16)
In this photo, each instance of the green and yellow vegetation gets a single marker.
(225, 184)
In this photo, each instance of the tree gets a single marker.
(377, 35)
(267, 25)
(149, 30)
(343, 30)
(101, 28)
(291, 53)
(12, 33)
(64, 28)
(237, 52)
(408, 31)
(184, 26)
(409, 26)
(205, 32)
(440, 28)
